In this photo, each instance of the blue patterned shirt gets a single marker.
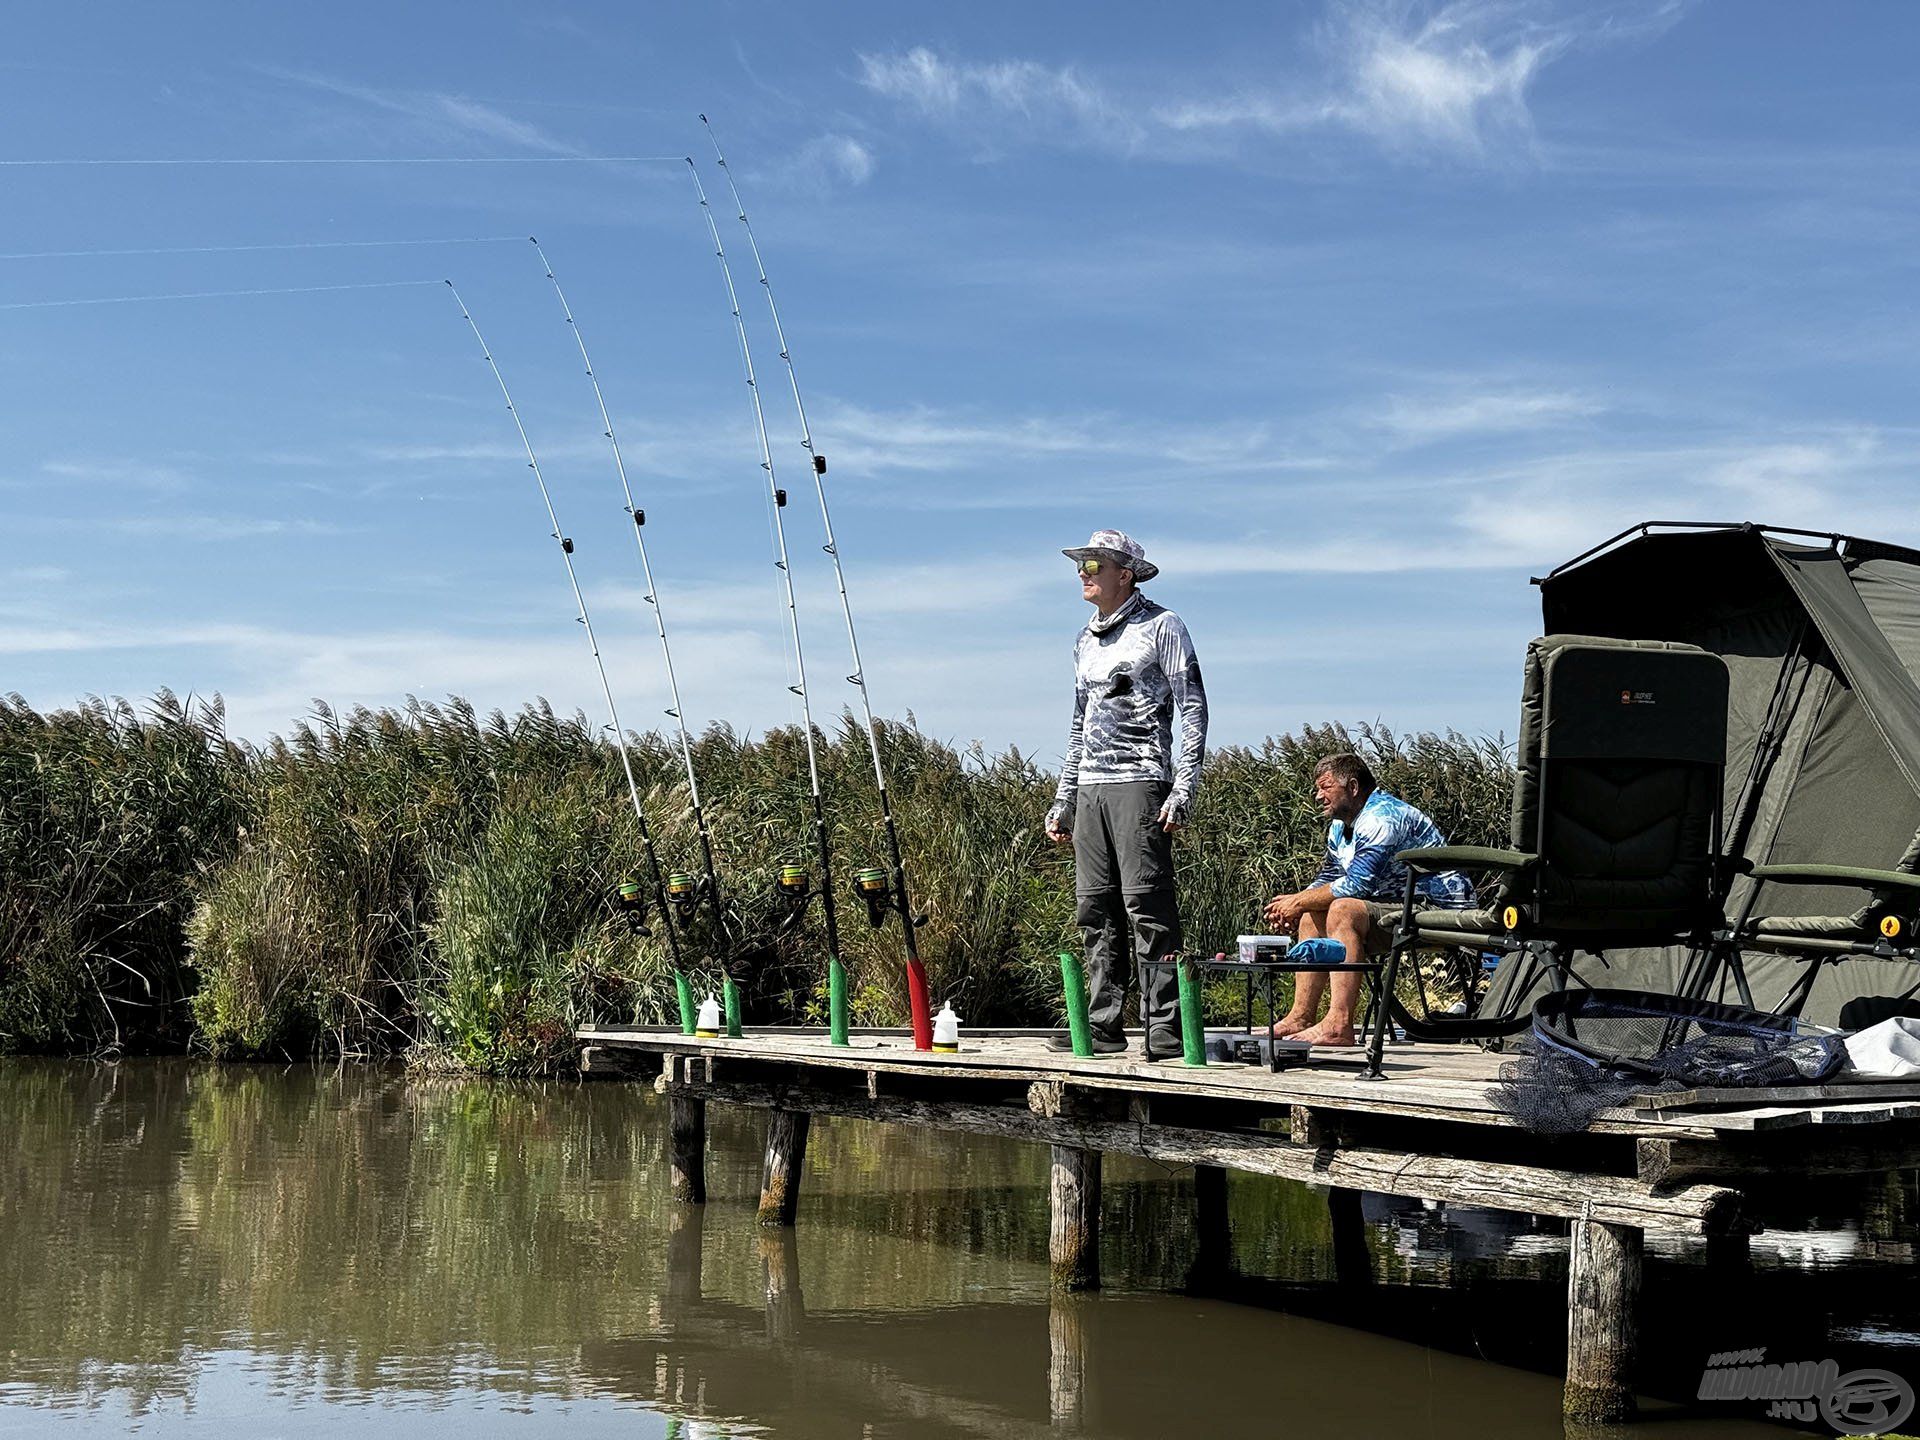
(1360, 863)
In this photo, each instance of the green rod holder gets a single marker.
(730, 999)
(837, 1002)
(683, 989)
(1193, 1027)
(1073, 980)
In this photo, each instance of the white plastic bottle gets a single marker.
(946, 1030)
(708, 1024)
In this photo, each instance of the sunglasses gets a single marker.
(1091, 566)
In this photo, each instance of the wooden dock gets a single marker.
(1674, 1162)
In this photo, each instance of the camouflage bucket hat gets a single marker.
(1120, 548)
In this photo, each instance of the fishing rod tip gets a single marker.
(703, 119)
(533, 239)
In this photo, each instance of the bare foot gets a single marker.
(1331, 1036)
(1288, 1026)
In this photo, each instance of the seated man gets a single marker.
(1358, 893)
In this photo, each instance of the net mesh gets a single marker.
(1592, 1050)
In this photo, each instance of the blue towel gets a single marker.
(1318, 952)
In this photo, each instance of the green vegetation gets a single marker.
(437, 885)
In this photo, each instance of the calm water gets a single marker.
(258, 1252)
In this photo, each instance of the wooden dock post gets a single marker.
(1603, 1292)
(1352, 1265)
(1213, 1248)
(687, 1147)
(786, 1158)
(1073, 1240)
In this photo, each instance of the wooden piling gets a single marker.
(786, 1158)
(1213, 1247)
(687, 1147)
(685, 1249)
(1073, 1240)
(1352, 1265)
(1603, 1292)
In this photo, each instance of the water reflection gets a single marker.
(214, 1250)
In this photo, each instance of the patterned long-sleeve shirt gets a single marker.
(1360, 863)
(1132, 670)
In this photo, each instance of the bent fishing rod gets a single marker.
(709, 886)
(793, 882)
(879, 895)
(599, 665)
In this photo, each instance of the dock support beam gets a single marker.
(687, 1147)
(1603, 1292)
(1066, 1362)
(1352, 1265)
(1073, 1239)
(786, 1158)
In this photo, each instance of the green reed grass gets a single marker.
(433, 883)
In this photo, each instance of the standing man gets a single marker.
(1124, 790)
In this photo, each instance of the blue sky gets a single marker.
(1356, 314)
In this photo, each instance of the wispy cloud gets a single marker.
(432, 115)
(1049, 101)
(1420, 419)
(833, 160)
(1418, 79)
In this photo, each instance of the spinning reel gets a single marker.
(877, 889)
(793, 886)
(633, 905)
(683, 894)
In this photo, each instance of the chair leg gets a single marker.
(1383, 1006)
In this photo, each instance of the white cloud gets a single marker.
(1418, 420)
(1045, 100)
(1415, 78)
(833, 159)
(432, 115)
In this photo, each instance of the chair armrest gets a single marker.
(1473, 857)
(1854, 875)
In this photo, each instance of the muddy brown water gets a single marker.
(213, 1251)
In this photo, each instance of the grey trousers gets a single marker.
(1123, 882)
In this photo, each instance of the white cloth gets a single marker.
(1888, 1049)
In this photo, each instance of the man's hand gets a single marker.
(1173, 816)
(1283, 910)
(1059, 825)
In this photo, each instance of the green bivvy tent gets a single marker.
(1821, 636)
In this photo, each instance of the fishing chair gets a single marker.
(1614, 831)
(1886, 927)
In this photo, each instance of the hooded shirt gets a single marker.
(1132, 670)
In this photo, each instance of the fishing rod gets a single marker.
(681, 890)
(793, 879)
(879, 894)
(628, 895)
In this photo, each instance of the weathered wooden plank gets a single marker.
(1694, 1209)
(1846, 1092)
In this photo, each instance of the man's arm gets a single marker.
(1174, 651)
(1059, 824)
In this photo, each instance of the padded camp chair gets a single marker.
(1615, 827)
(1886, 927)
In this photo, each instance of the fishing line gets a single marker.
(350, 160)
(579, 600)
(879, 896)
(652, 597)
(242, 249)
(212, 294)
(779, 498)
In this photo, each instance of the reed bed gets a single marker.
(430, 883)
